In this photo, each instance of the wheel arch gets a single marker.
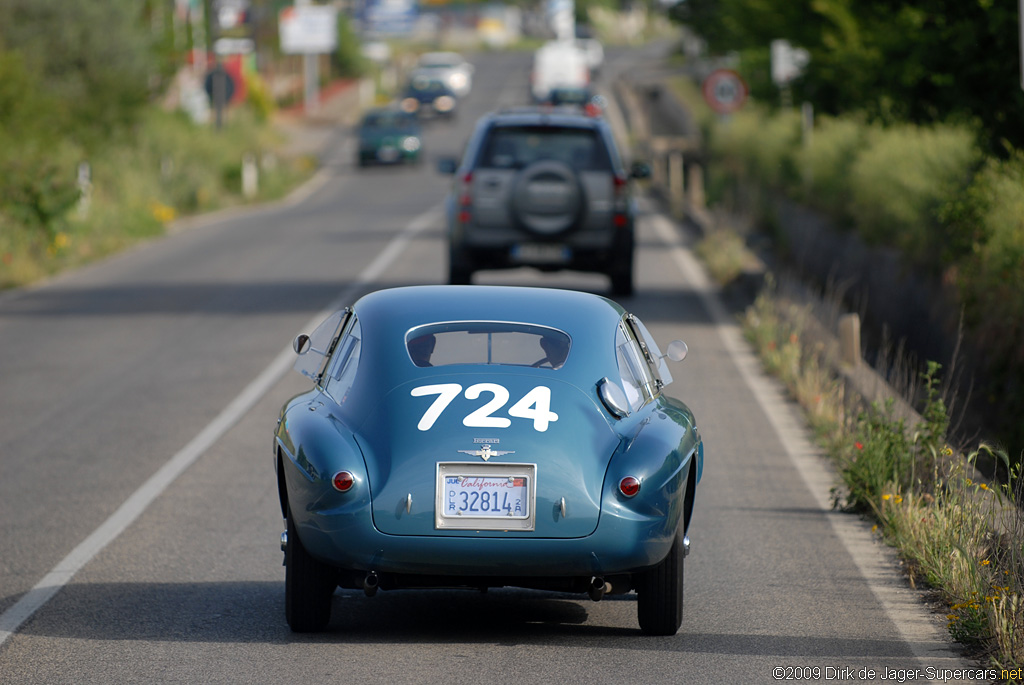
(282, 486)
(691, 492)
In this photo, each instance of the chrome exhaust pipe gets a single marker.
(598, 588)
(370, 583)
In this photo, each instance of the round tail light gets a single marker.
(343, 481)
(629, 486)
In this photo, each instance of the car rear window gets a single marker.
(516, 147)
(488, 342)
(388, 120)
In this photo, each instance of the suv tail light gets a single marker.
(619, 201)
(465, 199)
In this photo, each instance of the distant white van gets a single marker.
(558, 64)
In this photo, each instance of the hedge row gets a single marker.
(930, 192)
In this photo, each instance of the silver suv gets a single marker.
(542, 187)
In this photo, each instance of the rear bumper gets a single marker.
(616, 255)
(620, 545)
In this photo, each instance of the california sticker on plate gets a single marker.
(473, 496)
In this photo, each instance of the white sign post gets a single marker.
(309, 30)
(787, 63)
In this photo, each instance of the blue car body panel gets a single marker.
(377, 431)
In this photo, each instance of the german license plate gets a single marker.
(541, 253)
(485, 496)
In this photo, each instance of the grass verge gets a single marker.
(164, 169)
(958, 534)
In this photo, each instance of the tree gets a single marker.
(923, 62)
(94, 58)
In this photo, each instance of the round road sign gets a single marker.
(725, 91)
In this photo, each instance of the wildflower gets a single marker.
(947, 451)
(162, 212)
(859, 445)
(886, 497)
(969, 481)
(985, 562)
(983, 486)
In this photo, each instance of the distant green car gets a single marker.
(389, 136)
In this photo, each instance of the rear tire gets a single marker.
(458, 273)
(308, 586)
(659, 606)
(622, 282)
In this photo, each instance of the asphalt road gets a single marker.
(140, 524)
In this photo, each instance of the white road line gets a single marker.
(139, 501)
(915, 624)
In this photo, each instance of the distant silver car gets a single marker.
(450, 67)
(543, 187)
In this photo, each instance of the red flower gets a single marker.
(859, 445)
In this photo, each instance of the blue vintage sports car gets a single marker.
(486, 436)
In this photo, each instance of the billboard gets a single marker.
(308, 29)
(389, 17)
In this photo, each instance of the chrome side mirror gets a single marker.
(676, 350)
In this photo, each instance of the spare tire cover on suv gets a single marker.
(547, 198)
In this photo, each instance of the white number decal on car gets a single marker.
(534, 405)
(446, 392)
(482, 418)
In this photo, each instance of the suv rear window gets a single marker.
(515, 147)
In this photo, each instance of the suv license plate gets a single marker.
(541, 253)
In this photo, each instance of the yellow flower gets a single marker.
(983, 486)
(886, 497)
(162, 212)
(985, 562)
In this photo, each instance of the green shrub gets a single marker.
(901, 180)
(349, 56)
(258, 96)
(759, 147)
(824, 164)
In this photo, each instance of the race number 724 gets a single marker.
(534, 405)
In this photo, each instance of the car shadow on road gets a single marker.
(253, 612)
